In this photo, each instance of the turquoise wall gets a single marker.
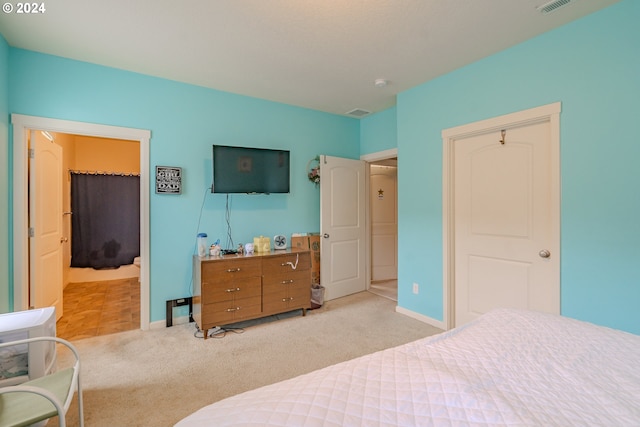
(185, 121)
(378, 132)
(5, 294)
(592, 66)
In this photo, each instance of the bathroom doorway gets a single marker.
(97, 301)
(22, 126)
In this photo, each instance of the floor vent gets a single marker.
(553, 5)
(358, 112)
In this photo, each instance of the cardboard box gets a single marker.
(309, 241)
(299, 241)
(314, 245)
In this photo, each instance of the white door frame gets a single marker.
(549, 112)
(21, 126)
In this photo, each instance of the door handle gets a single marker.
(544, 253)
(64, 239)
(325, 235)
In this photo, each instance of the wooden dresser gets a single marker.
(232, 288)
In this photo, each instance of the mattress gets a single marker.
(507, 368)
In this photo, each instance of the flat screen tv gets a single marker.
(250, 170)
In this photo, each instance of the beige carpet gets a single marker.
(156, 378)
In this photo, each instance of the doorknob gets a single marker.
(544, 253)
(64, 239)
(325, 235)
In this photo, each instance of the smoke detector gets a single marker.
(380, 82)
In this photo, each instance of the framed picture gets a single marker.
(168, 180)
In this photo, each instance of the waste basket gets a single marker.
(317, 296)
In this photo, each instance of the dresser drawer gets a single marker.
(283, 264)
(230, 290)
(301, 295)
(225, 312)
(292, 299)
(294, 278)
(234, 268)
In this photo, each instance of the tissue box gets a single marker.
(261, 244)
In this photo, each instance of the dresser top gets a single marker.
(228, 257)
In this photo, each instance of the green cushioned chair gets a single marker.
(42, 398)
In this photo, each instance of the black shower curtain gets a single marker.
(105, 224)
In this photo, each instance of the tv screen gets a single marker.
(250, 170)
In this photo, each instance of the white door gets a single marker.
(384, 222)
(505, 247)
(342, 226)
(45, 223)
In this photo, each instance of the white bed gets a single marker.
(508, 368)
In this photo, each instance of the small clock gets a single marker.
(279, 242)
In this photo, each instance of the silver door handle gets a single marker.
(325, 235)
(544, 253)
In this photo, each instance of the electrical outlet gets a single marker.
(416, 288)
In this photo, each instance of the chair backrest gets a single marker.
(45, 397)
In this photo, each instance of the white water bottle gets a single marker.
(201, 241)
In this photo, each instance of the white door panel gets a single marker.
(506, 281)
(343, 271)
(502, 220)
(342, 225)
(45, 210)
(384, 222)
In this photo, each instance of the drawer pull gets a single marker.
(233, 270)
(287, 299)
(285, 282)
(233, 309)
(233, 290)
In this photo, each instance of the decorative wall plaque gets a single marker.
(168, 180)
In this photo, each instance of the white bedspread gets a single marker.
(508, 368)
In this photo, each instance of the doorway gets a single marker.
(21, 127)
(383, 206)
(382, 219)
(501, 215)
(98, 300)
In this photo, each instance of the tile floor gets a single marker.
(99, 308)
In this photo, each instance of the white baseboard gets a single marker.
(421, 317)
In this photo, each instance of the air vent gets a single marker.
(552, 6)
(358, 112)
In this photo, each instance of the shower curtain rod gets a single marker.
(78, 172)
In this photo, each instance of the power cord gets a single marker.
(230, 244)
(222, 332)
(195, 247)
(292, 265)
(217, 332)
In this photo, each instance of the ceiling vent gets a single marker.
(552, 6)
(358, 112)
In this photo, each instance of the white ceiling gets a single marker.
(319, 54)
